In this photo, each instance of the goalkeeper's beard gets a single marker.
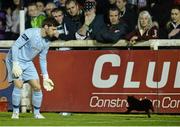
(49, 38)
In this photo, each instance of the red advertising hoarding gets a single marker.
(100, 81)
(5, 88)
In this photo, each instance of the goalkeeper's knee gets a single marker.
(37, 87)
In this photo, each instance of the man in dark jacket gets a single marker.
(127, 14)
(93, 23)
(115, 30)
(75, 15)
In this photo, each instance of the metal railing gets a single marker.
(153, 44)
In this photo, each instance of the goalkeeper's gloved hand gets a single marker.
(47, 83)
(16, 69)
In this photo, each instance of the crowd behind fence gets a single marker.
(101, 20)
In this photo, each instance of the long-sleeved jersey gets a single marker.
(28, 46)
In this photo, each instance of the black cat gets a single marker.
(139, 105)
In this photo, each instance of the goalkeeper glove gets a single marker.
(16, 69)
(47, 83)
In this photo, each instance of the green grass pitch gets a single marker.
(90, 119)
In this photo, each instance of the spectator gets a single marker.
(73, 9)
(74, 13)
(12, 21)
(93, 23)
(40, 6)
(63, 32)
(160, 13)
(127, 14)
(173, 26)
(35, 19)
(110, 3)
(115, 30)
(75, 16)
(145, 29)
(49, 7)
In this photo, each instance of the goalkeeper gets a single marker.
(19, 62)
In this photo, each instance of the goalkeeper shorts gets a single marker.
(28, 68)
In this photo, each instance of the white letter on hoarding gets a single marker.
(164, 77)
(96, 78)
(128, 83)
(177, 78)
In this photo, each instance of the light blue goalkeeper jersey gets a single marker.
(28, 46)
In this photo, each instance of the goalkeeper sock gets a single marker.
(36, 100)
(16, 98)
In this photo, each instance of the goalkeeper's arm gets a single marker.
(47, 82)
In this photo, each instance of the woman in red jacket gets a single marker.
(145, 29)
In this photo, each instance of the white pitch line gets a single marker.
(93, 126)
(136, 93)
